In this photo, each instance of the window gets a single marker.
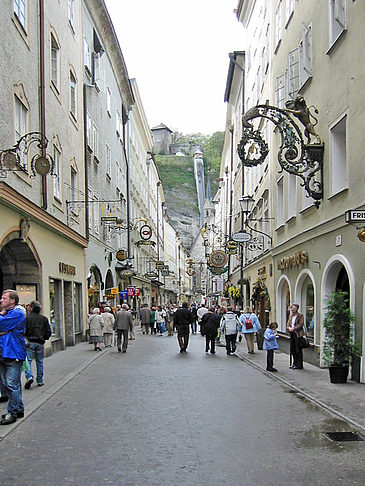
(108, 102)
(89, 132)
(90, 197)
(338, 157)
(71, 11)
(95, 142)
(338, 19)
(305, 55)
(55, 306)
(278, 23)
(293, 73)
(118, 123)
(78, 306)
(280, 202)
(19, 10)
(55, 59)
(72, 95)
(289, 9)
(96, 214)
(21, 119)
(57, 171)
(280, 91)
(307, 306)
(73, 189)
(87, 57)
(292, 195)
(108, 160)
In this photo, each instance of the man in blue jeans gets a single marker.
(37, 331)
(12, 354)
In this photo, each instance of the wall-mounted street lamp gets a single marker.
(247, 204)
(16, 158)
(301, 158)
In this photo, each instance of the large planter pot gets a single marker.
(338, 374)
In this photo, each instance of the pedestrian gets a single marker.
(37, 332)
(12, 354)
(160, 320)
(169, 321)
(194, 312)
(122, 324)
(270, 343)
(182, 321)
(96, 324)
(133, 312)
(153, 323)
(295, 327)
(250, 325)
(200, 312)
(145, 316)
(209, 328)
(230, 325)
(108, 319)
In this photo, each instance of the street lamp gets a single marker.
(246, 204)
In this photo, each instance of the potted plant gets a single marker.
(338, 349)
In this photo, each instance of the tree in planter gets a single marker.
(338, 347)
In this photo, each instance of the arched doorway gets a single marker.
(94, 286)
(20, 270)
(283, 297)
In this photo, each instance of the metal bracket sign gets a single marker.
(242, 237)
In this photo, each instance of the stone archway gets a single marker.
(283, 300)
(20, 269)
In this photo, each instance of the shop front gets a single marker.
(28, 265)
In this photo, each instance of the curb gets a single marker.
(306, 395)
(38, 402)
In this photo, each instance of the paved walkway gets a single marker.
(345, 400)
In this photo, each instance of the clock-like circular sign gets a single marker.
(218, 259)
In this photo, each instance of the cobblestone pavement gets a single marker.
(154, 416)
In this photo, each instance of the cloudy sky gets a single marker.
(178, 52)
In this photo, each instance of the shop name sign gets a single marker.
(299, 258)
(67, 269)
(241, 237)
(353, 216)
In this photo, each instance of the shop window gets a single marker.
(77, 298)
(55, 306)
(308, 305)
(284, 305)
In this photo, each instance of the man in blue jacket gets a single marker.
(12, 353)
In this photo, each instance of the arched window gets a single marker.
(283, 300)
(307, 305)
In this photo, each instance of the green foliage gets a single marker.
(338, 322)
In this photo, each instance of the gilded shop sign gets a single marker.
(67, 269)
(297, 259)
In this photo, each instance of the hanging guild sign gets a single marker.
(217, 259)
(123, 294)
(121, 255)
(217, 271)
(190, 272)
(130, 291)
(160, 265)
(137, 291)
(145, 232)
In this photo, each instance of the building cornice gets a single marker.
(23, 206)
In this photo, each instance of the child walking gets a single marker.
(270, 343)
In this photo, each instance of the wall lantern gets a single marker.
(301, 158)
(246, 204)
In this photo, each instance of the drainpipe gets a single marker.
(42, 96)
(87, 209)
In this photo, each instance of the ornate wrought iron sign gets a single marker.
(296, 156)
(16, 158)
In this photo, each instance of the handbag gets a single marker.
(304, 342)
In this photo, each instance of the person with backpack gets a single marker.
(250, 325)
(230, 325)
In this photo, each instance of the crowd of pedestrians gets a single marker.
(23, 333)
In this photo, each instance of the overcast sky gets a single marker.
(178, 52)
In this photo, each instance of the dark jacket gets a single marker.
(183, 317)
(37, 328)
(209, 324)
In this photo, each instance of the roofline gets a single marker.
(232, 58)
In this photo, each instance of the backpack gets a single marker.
(248, 323)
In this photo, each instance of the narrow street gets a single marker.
(154, 416)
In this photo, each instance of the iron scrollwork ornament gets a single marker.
(295, 156)
(16, 158)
